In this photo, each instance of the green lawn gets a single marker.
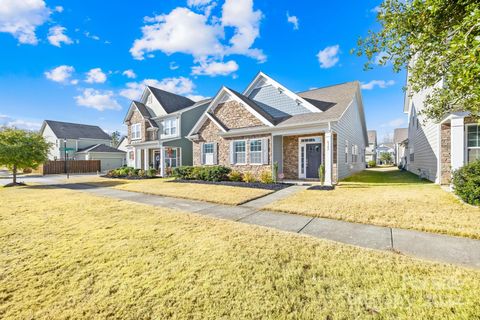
(388, 197)
(87, 257)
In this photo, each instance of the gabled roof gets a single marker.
(372, 136)
(400, 135)
(142, 109)
(256, 107)
(170, 102)
(100, 148)
(67, 130)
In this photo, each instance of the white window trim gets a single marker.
(204, 160)
(250, 152)
(177, 127)
(466, 160)
(304, 145)
(235, 153)
(139, 136)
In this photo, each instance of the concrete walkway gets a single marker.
(455, 250)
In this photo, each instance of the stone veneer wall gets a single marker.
(233, 116)
(445, 154)
(290, 154)
(146, 135)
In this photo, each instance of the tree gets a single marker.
(433, 40)
(20, 149)
(116, 135)
(386, 157)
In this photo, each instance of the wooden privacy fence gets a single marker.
(73, 166)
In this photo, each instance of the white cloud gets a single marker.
(328, 57)
(180, 85)
(59, 9)
(19, 123)
(377, 83)
(61, 74)
(376, 9)
(188, 32)
(240, 15)
(196, 97)
(99, 100)
(173, 65)
(215, 68)
(398, 122)
(182, 30)
(56, 35)
(129, 74)
(91, 36)
(96, 75)
(293, 20)
(21, 18)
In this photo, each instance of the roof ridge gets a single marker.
(75, 123)
(329, 86)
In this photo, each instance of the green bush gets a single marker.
(151, 173)
(248, 177)
(266, 177)
(466, 182)
(372, 164)
(208, 173)
(235, 176)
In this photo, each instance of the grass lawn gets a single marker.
(194, 191)
(388, 197)
(89, 257)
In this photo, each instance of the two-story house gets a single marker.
(371, 150)
(157, 126)
(269, 124)
(400, 138)
(436, 148)
(75, 141)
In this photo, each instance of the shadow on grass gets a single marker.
(384, 177)
(78, 185)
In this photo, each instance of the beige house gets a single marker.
(268, 123)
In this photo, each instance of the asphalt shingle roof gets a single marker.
(66, 130)
(171, 102)
(101, 148)
(400, 134)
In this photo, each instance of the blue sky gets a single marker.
(82, 61)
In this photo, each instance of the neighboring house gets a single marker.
(122, 144)
(437, 148)
(82, 142)
(157, 126)
(400, 137)
(268, 123)
(371, 150)
(385, 148)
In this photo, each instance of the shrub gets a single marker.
(235, 176)
(216, 173)
(141, 173)
(266, 177)
(321, 174)
(184, 172)
(275, 172)
(209, 173)
(248, 177)
(466, 182)
(372, 164)
(151, 173)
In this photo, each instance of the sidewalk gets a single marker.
(435, 247)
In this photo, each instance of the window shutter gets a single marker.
(265, 153)
(202, 156)
(232, 153)
(215, 153)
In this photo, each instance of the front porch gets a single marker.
(299, 156)
(162, 158)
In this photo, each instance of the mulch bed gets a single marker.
(254, 185)
(129, 177)
(324, 188)
(18, 184)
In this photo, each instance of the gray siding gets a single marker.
(275, 103)
(277, 152)
(350, 128)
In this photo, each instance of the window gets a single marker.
(346, 151)
(171, 156)
(136, 131)
(208, 153)
(473, 143)
(412, 154)
(170, 127)
(256, 151)
(239, 152)
(302, 157)
(354, 154)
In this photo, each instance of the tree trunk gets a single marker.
(15, 174)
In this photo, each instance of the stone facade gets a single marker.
(233, 116)
(146, 135)
(210, 133)
(290, 154)
(445, 154)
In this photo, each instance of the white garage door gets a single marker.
(109, 164)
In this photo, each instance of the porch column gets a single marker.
(457, 141)
(328, 158)
(162, 162)
(145, 159)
